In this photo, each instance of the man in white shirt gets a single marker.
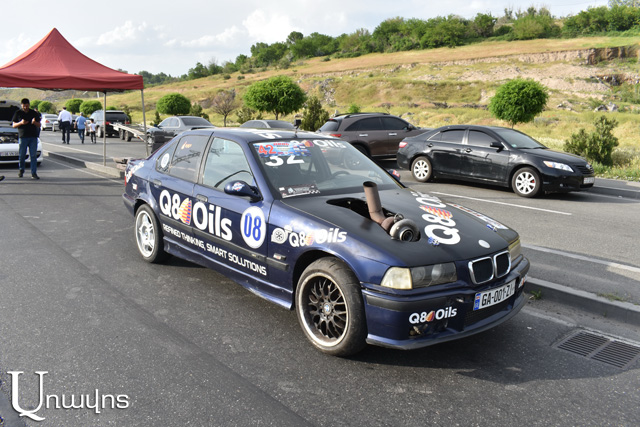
(64, 121)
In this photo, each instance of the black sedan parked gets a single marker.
(494, 155)
(172, 126)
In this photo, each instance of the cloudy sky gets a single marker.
(171, 36)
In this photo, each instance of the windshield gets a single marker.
(518, 139)
(317, 166)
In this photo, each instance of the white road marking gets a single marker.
(503, 203)
(584, 258)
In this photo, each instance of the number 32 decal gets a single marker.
(277, 161)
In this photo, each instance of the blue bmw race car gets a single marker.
(310, 223)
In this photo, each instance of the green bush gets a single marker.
(174, 104)
(88, 107)
(73, 105)
(35, 104)
(314, 115)
(518, 101)
(47, 107)
(596, 146)
(354, 108)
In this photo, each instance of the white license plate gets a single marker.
(9, 153)
(589, 180)
(494, 296)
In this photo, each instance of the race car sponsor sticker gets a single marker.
(307, 237)
(284, 148)
(253, 227)
(426, 317)
(298, 190)
(483, 217)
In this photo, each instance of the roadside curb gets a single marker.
(615, 188)
(592, 303)
(108, 170)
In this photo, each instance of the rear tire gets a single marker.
(421, 169)
(330, 308)
(149, 236)
(526, 182)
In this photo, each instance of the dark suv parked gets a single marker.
(113, 116)
(375, 134)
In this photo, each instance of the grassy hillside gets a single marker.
(435, 87)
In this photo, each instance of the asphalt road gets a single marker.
(181, 345)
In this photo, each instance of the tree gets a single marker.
(245, 114)
(596, 146)
(518, 101)
(46, 107)
(73, 105)
(174, 104)
(224, 103)
(314, 115)
(88, 107)
(196, 110)
(278, 94)
(35, 104)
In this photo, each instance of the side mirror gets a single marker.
(242, 189)
(498, 145)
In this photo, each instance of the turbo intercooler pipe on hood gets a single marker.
(396, 226)
(375, 207)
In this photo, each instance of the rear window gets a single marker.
(330, 126)
(111, 116)
(196, 121)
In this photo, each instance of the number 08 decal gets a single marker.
(253, 227)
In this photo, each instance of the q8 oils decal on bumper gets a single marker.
(205, 217)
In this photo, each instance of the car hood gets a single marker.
(448, 232)
(556, 156)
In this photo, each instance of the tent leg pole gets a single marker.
(144, 122)
(104, 132)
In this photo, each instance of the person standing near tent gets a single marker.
(80, 126)
(28, 123)
(91, 128)
(64, 121)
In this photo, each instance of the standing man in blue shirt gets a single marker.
(28, 123)
(80, 126)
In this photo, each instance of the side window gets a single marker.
(392, 123)
(173, 122)
(372, 123)
(452, 136)
(480, 139)
(186, 158)
(225, 162)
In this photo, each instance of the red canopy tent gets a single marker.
(53, 63)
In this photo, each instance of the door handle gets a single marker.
(202, 198)
(430, 145)
(364, 134)
(157, 182)
(393, 134)
(468, 150)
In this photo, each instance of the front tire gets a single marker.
(330, 308)
(149, 236)
(421, 169)
(526, 182)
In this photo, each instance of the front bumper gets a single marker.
(560, 182)
(443, 316)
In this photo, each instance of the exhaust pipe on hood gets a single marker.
(398, 227)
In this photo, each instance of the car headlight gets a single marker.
(420, 277)
(556, 165)
(515, 250)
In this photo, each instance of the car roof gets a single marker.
(249, 135)
(477, 127)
